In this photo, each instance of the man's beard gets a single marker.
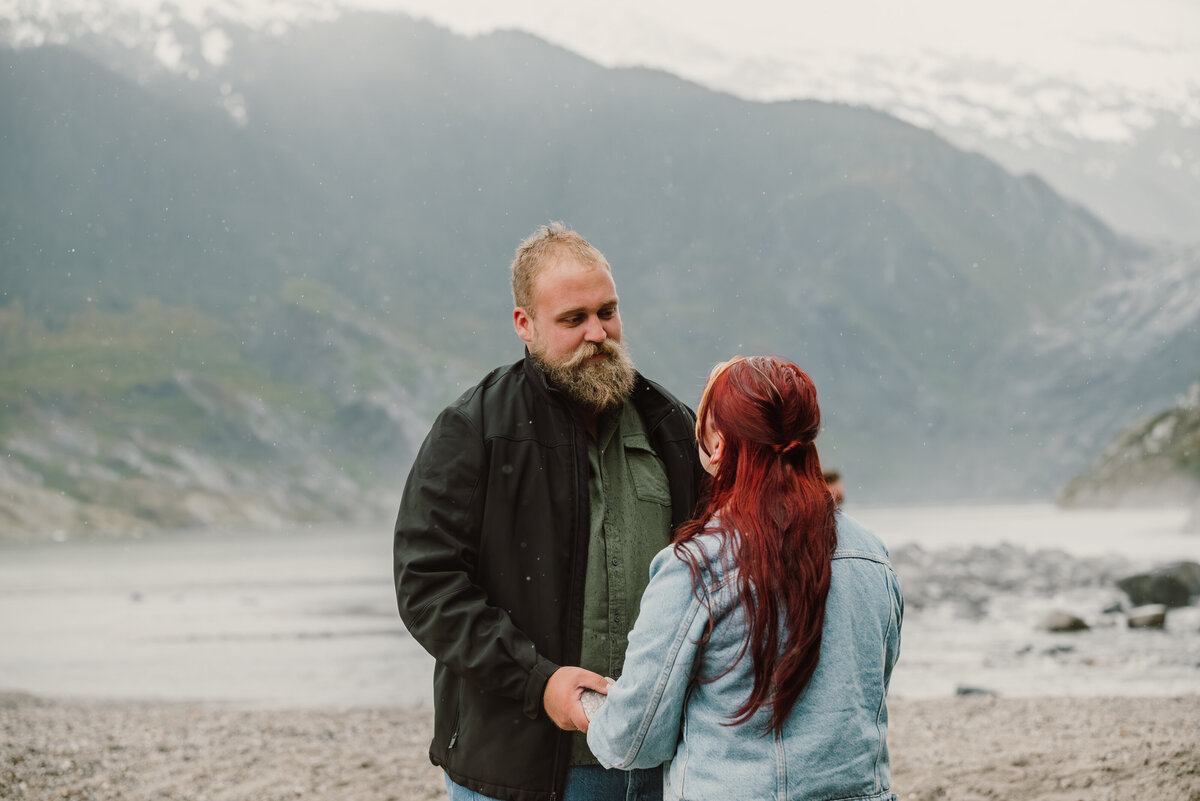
(596, 386)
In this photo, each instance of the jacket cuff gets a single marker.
(535, 687)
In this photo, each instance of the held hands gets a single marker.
(562, 694)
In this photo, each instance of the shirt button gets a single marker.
(615, 560)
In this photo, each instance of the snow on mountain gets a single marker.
(156, 27)
(1159, 303)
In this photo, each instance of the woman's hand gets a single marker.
(562, 694)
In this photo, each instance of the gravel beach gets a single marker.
(962, 748)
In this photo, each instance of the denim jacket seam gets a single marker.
(660, 685)
(683, 741)
(780, 767)
(849, 553)
(868, 797)
(892, 624)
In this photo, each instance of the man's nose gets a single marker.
(595, 331)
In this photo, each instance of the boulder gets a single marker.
(1189, 574)
(1062, 621)
(1172, 585)
(1151, 616)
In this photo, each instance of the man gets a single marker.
(833, 479)
(526, 531)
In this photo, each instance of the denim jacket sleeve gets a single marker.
(639, 725)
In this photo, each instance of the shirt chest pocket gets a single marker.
(646, 471)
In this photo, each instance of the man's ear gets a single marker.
(523, 322)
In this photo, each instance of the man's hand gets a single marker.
(561, 697)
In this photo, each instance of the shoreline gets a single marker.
(961, 748)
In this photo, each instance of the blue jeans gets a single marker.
(590, 783)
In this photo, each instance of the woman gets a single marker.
(759, 665)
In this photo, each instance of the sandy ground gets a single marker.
(1058, 749)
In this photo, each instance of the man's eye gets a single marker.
(607, 314)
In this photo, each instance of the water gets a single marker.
(301, 620)
(308, 619)
(1141, 535)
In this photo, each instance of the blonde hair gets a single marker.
(534, 253)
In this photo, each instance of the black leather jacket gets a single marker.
(490, 556)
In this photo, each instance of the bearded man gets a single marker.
(526, 531)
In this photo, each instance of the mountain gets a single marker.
(1155, 461)
(1128, 147)
(235, 292)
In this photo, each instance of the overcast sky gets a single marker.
(1144, 53)
(1150, 45)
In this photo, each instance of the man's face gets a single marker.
(574, 332)
(572, 304)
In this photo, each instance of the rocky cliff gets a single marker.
(1154, 461)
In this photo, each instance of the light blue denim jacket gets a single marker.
(834, 743)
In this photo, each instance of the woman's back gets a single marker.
(676, 697)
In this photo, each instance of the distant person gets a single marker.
(759, 667)
(526, 530)
(833, 480)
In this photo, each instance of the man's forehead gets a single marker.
(568, 282)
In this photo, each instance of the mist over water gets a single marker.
(307, 618)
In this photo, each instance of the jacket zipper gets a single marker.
(457, 715)
(581, 510)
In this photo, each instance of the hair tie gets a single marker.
(784, 450)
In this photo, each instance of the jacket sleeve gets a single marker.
(639, 725)
(435, 555)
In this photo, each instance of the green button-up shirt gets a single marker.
(630, 507)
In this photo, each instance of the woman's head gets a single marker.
(760, 410)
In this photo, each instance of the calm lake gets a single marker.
(308, 619)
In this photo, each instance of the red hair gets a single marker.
(770, 497)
